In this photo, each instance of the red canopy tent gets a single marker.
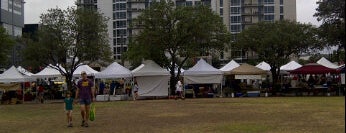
(313, 68)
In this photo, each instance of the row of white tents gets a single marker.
(292, 65)
(153, 79)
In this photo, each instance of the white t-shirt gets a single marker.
(135, 88)
(179, 86)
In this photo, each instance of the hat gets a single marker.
(83, 72)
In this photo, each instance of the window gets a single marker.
(235, 19)
(120, 24)
(235, 10)
(268, 17)
(235, 28)
(269, 9)
(282, 17)
(120, 6)
(188, 3)
(281, 2)
(221, 3)
(120, 15)
(281, 9)
(235, 2)
(221, 11)
(121, 32)
(4, 4)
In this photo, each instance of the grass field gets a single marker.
(217, 115)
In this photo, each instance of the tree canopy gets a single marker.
(69, 38)
(6, 43)
(332, 15)
(171, 34)
(276, 42)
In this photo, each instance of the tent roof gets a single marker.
(114, 70)
(229, 66)
(149, 68)
(202, 68)
(47, 72)
(323, 61)
(313, 68)
(13, 75)
(24, 71)
(246, 69)
(290, 66)
(86, 68)
(264, 66)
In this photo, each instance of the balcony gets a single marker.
(134, 9)
(251, 5)
(251, 13)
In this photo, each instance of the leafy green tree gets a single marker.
(6, 43)
(275, 42)
(69, 38)
(171, 35)
(332, 15)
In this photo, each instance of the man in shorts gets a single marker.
(85, 95)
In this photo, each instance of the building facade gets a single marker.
(240, 14)
(12, 19)
(237, 15)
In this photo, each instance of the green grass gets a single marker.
(217, 115)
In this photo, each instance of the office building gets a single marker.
(12, 19)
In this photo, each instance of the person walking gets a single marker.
(85, 95)
(135, 91)
(68, 106)
(179, 90)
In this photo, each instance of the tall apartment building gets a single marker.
(121, 14)
(237, 15)
(240, 14)
(12, 19)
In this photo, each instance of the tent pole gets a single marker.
(23, 87)
(221, 90)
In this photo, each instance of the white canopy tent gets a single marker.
(48, 72)
(229, 66)
(264, 66)
(202, 73)
(151, 79)
(114, 70)
(13, 75)
(89, 71)
(290, 66)
(324, 62)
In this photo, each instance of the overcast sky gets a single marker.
(34, 8)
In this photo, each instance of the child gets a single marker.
(68, 106)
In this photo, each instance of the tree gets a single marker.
(276, 42)
(6, 43)
(170, 35)
(69, 38)
(332, 15)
